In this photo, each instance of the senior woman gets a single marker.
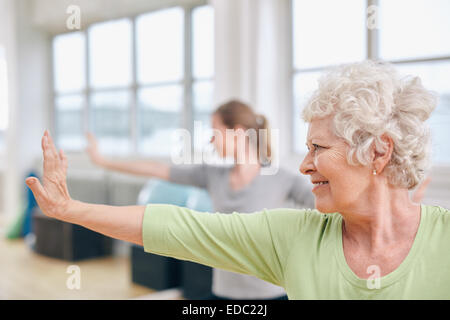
(368, 146)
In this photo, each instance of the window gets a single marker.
(110, 79)
(69, 77)
(408, 33)
(203, 72)
(325, 33)
(422, 27)
(130, 81)
(328, 32)
(414, 29)
(160, 65)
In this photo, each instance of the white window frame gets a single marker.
(187, 82)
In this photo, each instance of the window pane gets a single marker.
(436, 76)
(203, 97)
(69, 62)
(69, 122)
(305, 84)
(160, 46)
(414, 28)
(159, 115)
(3, 91)
(110, 120)
(203, 42)
(110, 54)
(203, 107)
(328, 32)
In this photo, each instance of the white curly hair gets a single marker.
(368, 99)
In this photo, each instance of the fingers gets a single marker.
(52, 161)
(51, 144)
(63, 159)
(37, 189)
(49, 159)
(424, 184)
(92, 142)
(90, 137)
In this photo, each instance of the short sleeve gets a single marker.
(301, 192)
(256, 243)
(194, 175)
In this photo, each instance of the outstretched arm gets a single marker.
(257, 243)
(145, 168)
(52, 196)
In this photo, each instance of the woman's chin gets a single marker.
(325, 208)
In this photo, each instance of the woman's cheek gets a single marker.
(316, 162)
(329, 162)
(322, 162)
(336, 155)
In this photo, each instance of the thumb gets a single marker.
(36, 188)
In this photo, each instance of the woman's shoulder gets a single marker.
(437, 212)
(437, 226)
(302, 217)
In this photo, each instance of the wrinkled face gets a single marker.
(343, 187)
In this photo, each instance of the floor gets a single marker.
(27, 275)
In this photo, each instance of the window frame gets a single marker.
(187, 82)
(372, 52)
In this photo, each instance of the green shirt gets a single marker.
(300, 250)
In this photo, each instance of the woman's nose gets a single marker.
(307, 165)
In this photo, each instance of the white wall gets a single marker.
(3, 44)
(7, 39)
(28, 62)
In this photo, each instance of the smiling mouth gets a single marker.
(317, 185)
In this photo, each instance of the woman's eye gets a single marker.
(316, 146)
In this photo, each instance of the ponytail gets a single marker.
(264, 142)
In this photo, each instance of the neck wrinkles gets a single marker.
(385, 218)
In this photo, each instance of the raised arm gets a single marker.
(145, 168)
(52, 196)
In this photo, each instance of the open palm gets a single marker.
(52, 195)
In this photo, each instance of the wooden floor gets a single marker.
(27, 275)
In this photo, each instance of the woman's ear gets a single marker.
(382, 155)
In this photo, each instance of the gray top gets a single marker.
(281, 190)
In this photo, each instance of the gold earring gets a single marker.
(374, 172)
